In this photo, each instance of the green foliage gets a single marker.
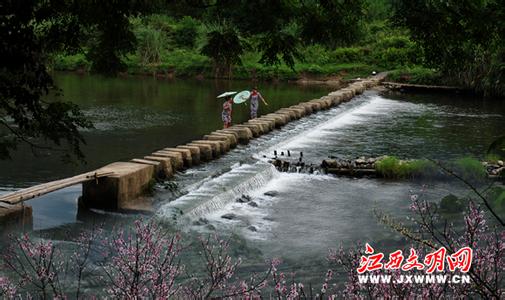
(31, 32)
(186, 32)
(333, 22)
(224, 46)
(280, 46)
(378, 9)
(150, 44)
(388, 167)
(159, 22)
(315, 54)
(470, 168)
(346, 55)
(392, 167)
(462, 39)
(416, 75)
(111, 34)
(420, 168)
(396, 51)
(70, 62)
(187, 62)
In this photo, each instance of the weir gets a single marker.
(215, 194)
(117, 186)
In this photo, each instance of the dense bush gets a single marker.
(392, 167)
(70, 62)
(186, 32)
(346, 55)
(470, 168)
(150, 44)
(396, 51)
(315, 54)
(416, 75)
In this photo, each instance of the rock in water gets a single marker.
(244, 199)
(271, 193)
(451, 204)
(229, 216)
(253, 204)
(201, 221)
(252, 228)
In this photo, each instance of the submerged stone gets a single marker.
(451, 204)
(271, 193)
(253, 204)
(229, 216)
(252, 228)
(201, 221)
(244, 199)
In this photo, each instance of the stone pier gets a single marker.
(120, 190)
(15, 216)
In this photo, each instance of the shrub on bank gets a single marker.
(347, 55)
(415, 75)
(150, 45)
(186, 32)
(392, 167)
(70, 62)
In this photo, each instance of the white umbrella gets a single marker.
(226, 94)
(241, 97)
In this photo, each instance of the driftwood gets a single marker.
(41, 189)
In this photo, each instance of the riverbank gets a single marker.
(193, 65)
(189, 65)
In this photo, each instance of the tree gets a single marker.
(224, 46)
(464, 39)
(332, 22)
(30, 31)
(282, 26)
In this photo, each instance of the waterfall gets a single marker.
(216, 193)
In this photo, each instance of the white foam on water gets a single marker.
(216, 193)
(375, 106)
(259, 218)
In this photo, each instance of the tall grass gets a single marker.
(392, 167)
(470, 169)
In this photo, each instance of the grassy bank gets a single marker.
(468, 168)
(183, 63)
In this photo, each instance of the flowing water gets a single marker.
(294, 216)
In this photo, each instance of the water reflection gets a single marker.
(137, 115)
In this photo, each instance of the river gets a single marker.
(303, 215)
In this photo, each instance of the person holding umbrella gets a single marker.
(226, 114)
(255, 103)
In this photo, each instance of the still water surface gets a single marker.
(135, 116)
